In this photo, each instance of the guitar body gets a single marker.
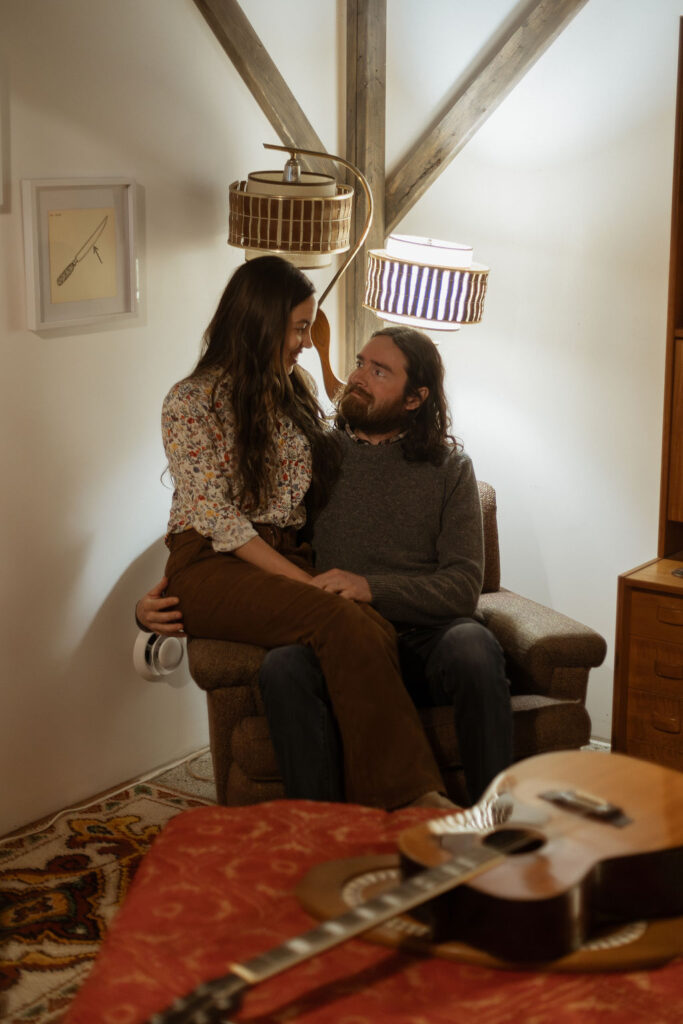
(591, 839)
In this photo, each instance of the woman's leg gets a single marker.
(387, 759)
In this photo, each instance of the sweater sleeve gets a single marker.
(203, 487)
(452, 589)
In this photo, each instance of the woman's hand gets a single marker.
(320, 336)
(160, 614)
(257, 552)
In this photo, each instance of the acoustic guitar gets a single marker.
(559, 845)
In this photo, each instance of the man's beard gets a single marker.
(355, 408)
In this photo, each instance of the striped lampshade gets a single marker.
(425, 283)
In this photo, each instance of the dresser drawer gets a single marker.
(655, 728)
(659, 616)
(656, 667)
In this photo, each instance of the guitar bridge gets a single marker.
(587, 806)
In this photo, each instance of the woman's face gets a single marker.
(298, 333)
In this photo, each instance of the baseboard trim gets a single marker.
(596, 744)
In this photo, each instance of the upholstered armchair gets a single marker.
(548, 656)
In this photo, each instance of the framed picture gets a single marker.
(79, 251)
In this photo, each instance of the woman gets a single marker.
(242, 435)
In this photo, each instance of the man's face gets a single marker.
(374, 399)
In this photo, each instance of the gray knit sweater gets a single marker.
(411, 528)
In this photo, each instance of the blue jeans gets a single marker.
(461, 664)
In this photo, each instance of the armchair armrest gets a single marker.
(216, 664)
(547, 652)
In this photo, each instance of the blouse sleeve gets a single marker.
(199, 458)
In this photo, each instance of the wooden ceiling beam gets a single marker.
(366, 24)
(519, 49)
(259, 73)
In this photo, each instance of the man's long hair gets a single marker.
(245, 339)
(428, 437)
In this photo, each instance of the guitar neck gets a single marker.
(421, 887)
(212, 999)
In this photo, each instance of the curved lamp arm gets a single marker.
(293, 151)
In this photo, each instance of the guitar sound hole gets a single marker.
(513, 841)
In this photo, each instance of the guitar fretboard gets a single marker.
(421, 887)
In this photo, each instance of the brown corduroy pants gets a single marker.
(387, 759)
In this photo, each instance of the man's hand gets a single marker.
(346, 584)
(159, 614)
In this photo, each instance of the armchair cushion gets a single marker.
(539, 723)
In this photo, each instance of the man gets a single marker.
(401, 531)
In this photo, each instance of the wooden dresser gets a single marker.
(647, 715)
(648, 687)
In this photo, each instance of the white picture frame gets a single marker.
(79, 251)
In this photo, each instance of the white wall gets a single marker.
(565, 193)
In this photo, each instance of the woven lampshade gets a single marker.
(307, 221)
(301, 216)
(425, 283)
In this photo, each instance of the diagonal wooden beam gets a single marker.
(519, 49)
(366, 22)
(250, 57)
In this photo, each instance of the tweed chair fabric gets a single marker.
(489, 519)
(548, 655)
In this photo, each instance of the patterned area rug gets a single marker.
(60, 886)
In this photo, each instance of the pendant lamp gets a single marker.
(426, 283)
(300, 215)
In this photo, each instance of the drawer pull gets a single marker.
(669, 615)
(668, 671)
(665, 723)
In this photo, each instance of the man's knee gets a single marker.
(286, 670)
(470, 654)
(470, 642)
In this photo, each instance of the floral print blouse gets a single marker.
(202, 461)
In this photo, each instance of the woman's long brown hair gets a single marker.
(245, 339)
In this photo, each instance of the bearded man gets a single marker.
(402, 531)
